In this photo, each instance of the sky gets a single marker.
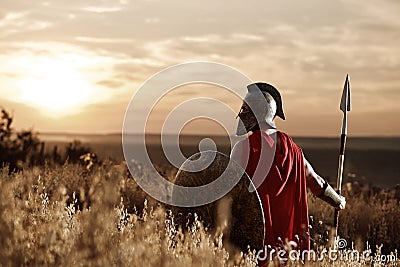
(74, 66)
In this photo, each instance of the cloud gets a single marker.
(45, 68)
(305, 50)
(17, 22)
(110, 83)
(95, 40)
(152, 20)
(102, 9)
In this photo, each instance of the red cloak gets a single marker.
(283, 191)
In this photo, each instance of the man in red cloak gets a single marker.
(278, 169)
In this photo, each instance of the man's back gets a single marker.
(282, 188)
(278, 168)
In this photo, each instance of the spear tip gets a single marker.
(345, 103)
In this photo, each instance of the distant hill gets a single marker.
(368, 159)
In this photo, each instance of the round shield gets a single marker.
(238, 215)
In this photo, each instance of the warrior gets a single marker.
(278, 169)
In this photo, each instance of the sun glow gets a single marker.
(55, 86)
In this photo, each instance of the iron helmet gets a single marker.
(265, 102)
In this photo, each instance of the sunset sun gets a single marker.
(55, 87)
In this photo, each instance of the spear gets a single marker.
(345, 106)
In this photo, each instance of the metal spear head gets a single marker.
(345, 104)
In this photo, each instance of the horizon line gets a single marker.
(202, 134)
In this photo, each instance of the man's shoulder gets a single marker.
(288, 140)
(285, 137)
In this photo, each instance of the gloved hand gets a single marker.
(330, 196)
(342, 204)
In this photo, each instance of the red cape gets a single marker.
(283, 191)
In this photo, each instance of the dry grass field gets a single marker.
(68, 216)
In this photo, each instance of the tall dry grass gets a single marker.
(68, 216)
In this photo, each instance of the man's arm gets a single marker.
(320, 188)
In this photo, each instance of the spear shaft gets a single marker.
(345, 106)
